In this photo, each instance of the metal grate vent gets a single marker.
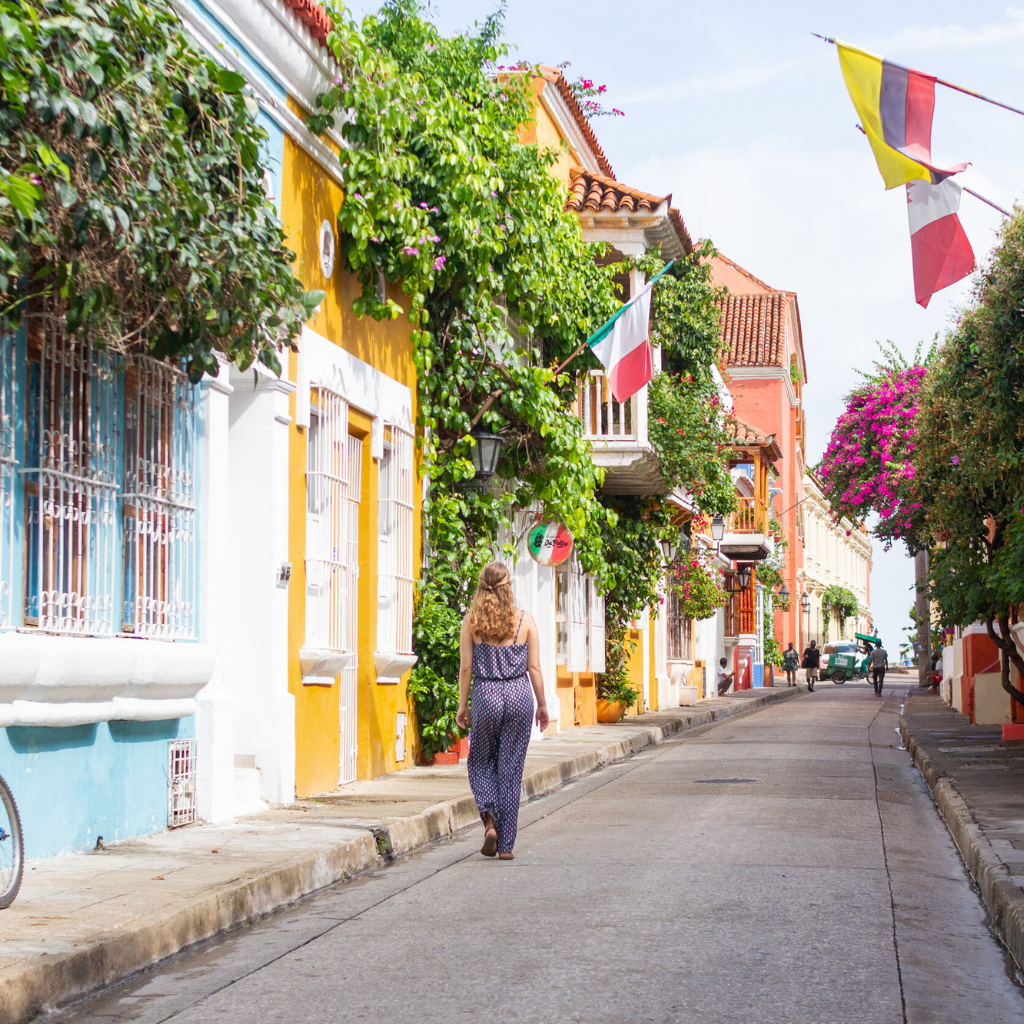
(181, 783)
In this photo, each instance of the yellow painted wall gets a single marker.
(545, 133)
(308, 198)
(635, 670)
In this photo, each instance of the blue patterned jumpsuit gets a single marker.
(501, 719)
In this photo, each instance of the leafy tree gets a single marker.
(970, 455)
(132, 207)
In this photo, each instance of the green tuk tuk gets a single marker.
(847, 660)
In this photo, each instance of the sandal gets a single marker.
(490, 847)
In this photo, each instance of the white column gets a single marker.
(215, 727)
(258, 609)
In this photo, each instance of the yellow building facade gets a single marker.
(352, 456)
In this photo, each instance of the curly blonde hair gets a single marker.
(492, 614)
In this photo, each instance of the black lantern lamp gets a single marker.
(743, 575)
(784, 597)
(805, 603)
(668, 549)
(485, 454)
(717, 528)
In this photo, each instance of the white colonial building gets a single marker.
(836, 553)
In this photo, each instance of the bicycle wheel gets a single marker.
(12, 852)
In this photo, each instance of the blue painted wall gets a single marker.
(72, 785)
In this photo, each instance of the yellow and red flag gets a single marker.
(895, 105)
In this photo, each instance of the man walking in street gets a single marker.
(878, 662)
(811, 661)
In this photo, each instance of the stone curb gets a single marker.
(1003, 899)
(41, 985)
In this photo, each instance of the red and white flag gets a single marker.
(942, 255)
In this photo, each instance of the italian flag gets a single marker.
(623, 344)
(940, 250)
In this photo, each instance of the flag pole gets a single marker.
(948, 85)
(977, 195)
(995, 206)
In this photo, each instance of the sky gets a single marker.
(742, 115)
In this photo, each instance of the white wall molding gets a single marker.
(324, 364)
(277, 49)
(559, 112)
(87, 679)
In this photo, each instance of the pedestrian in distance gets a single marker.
(500, 654)
(811, 661)
(878, 662)
(790, 662)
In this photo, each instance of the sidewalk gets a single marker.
(977, 781)
(86, 921)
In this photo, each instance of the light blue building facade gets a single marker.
(99, 556)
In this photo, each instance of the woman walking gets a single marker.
(500, 652)
(790, 662)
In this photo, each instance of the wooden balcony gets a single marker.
(617, 432)
(746, 532)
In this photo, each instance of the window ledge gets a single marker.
(61, 680)
(391, 667)
(321, 667)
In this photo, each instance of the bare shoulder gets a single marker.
(529, 623)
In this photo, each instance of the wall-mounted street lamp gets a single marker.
(668, 549)
(784, 597)
(805, 603)
(743, 575)
(717, 528)
(485, 454)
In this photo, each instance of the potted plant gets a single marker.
(615, 694)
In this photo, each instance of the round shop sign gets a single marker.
(550, 543)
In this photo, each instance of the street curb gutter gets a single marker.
(40, 985)
(1003, 899)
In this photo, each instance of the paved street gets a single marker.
(784, 866)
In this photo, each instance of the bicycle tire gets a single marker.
(12, 857)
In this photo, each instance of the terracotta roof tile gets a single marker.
(596, 193)
(557, 79)
(313, 16)
(753, 329)
(748, 436)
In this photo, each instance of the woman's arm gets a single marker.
(465, 674)
(533, 667)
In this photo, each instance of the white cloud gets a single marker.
(929, 39)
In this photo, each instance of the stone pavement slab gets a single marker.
(86, 921)
(977, 781)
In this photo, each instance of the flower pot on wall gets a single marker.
(462, 747)
(610, 710)
(446, 757)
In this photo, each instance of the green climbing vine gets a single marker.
(444, 198)
(841, 599)
(132, 206)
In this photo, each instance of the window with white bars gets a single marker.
(8, 473)
(678, 629)
(158, 506)
(333, 475)
(70, 484)
(395, 543)
(97, 502)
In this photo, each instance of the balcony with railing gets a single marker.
(617, 432)
(747, 538)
